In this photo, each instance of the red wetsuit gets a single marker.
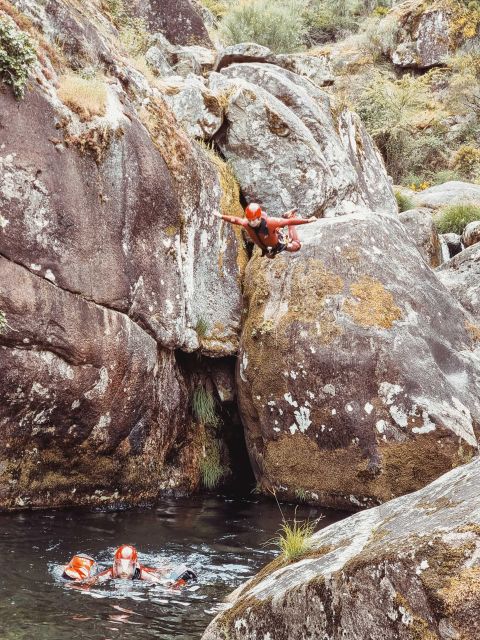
(267, 236)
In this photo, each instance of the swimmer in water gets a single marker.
(126, 566)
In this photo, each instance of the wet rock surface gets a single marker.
(407, 569)
(355, 365)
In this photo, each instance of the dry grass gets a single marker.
(88, 98)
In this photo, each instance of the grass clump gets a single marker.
(294, 538)
(17, 56)
(133, 31)
(211, 468)
(202, 328)
(404, 202)
(455, 218)
(3, 322)
(204, 407)
(277, 24)
(85, 96)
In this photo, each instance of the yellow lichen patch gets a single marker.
(86, 97)
(373, 305)
(473, 330)
(461, 588)
(311, 283)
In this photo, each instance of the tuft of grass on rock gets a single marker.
(85, 96)
(455, 218)
(211, 469)
(404, 202)
(3, 322)
(204, 407)
(17, 56)
(202, 327)
(294, 538)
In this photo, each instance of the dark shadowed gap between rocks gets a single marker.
(217, 377)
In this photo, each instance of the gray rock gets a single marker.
(461, 275)
(196, 109)
(420, 227)
(357, 379)
(471, 233)
(192, 59)
(448, 193)
(288, 149)
(453, 242)
(157, 59)
(407, 569)
(243, 52)
(315, 68)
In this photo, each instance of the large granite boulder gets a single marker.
(407, 570)
(180, 21)
(91, 408)
(424, 35)
(420, 226)
(471, 233)
(448, 193)
(461, 276)
(288, 148)
(133, 231)
(357, 379)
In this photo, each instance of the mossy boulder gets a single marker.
(407, 570)
(357, 378)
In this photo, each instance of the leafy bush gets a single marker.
(217, 7)
(294, 539)
(466, 162)
(133, 31)
(277, 24)
(395, 113)
(17, 55)
(326, 20)
(204, 407)
(87, 97)
(455, 218)
(211, 469)
(404, 202)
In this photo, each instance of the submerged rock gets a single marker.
(289, 148)
(461, 276)
(420, 227)
(407, 569)
(357, 380)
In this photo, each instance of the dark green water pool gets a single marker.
(225, 541)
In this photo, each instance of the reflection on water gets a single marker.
(222, 540)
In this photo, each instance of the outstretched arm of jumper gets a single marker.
(232, 219)
(276, 223)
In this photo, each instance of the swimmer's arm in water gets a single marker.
(90, 582)
(149, 574)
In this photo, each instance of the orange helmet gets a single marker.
(125, 561)
(79, 567)
(253, 211)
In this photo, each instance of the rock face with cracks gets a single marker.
(357, 376)
(289, 148)
(406, 570)
(420, 227)
(111, 261)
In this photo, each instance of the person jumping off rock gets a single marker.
(266, 231)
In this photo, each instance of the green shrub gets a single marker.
(466, 162)
(445, 176)
(455, 218)
(211, 469)
(294, 539)
(204, 407)
(17, 56)
(405, 203)
(277, 24)
(326, 20)
(133, 31)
